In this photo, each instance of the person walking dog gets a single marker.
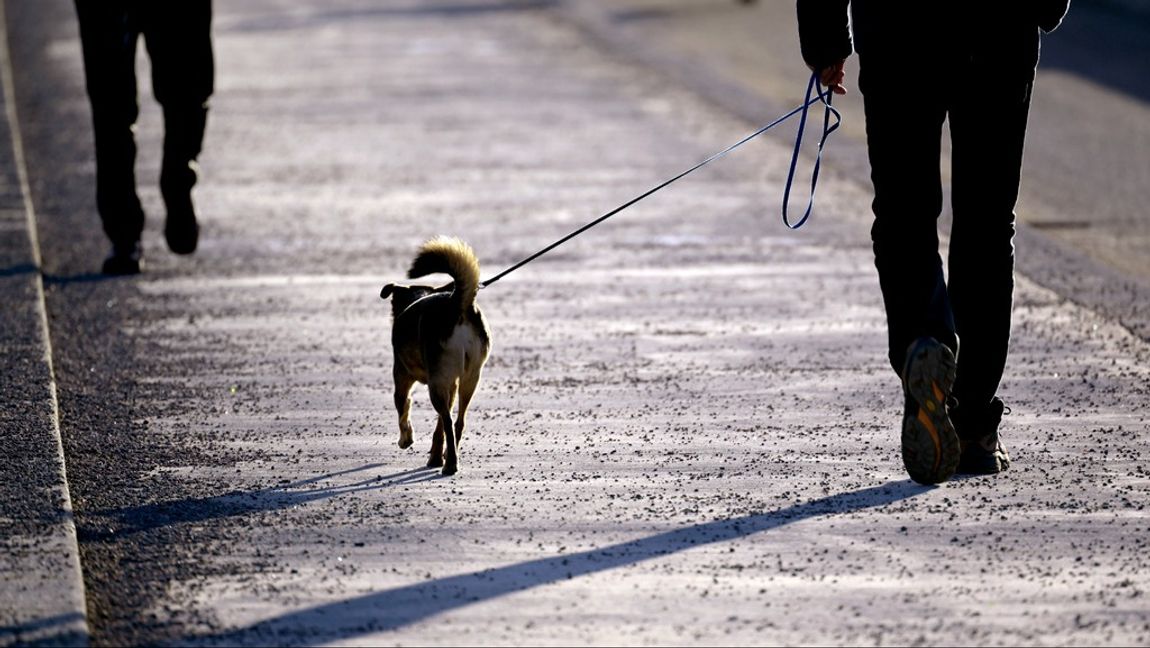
(921, 64)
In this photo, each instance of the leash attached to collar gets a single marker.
(828, 128)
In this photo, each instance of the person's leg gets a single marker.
(904, 130)
(178, 37)
(988, 128)
(109, 35)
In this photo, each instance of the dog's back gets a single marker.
(429, 322)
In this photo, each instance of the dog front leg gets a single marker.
(403, 385)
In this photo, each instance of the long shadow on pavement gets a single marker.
(49, 631)
(19, 269)
(402, 606)
(53, 279)
(118, 523)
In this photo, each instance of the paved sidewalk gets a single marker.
(687, 432)
(41, 590)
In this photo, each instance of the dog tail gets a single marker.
(454, 257)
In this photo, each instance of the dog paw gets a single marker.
(435, 462)
(406, 435)
(449, 470)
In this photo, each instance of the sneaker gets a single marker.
(124, 260)
(181, 230)
(930, 446)
(982, 449)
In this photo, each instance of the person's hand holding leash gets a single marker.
(832, 76)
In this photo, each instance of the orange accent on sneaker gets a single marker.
(938, 395)
(929, 425)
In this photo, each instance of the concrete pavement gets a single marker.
(41, 589)
(687, 432)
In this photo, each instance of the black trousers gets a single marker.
(968, 308)
(177, 34)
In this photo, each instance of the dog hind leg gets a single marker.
(442, 398)
(467, 387)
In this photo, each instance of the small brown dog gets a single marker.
(439, 339)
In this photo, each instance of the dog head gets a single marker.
(403, 296)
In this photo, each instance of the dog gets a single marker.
(439, 338)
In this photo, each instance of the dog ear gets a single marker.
(386, 292)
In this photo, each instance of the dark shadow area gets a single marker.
(50, 631)
(19, 269)
(56, 280)
(1102, 43)
(81, 278)
(43, 519)
(403, 606)
(644, 13)
(277, 22)
(118, 523)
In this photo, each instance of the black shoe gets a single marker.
(982, 449)
(124, 260)
(181, 230)
(930, 446)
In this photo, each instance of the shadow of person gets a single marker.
(402, 606)
(80, 278)
(58, 630)
(19, 269)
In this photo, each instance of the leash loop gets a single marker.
(825, 97)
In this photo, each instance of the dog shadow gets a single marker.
(395, 608)
(112, 524)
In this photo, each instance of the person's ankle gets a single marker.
(181, 231)
(125, 259)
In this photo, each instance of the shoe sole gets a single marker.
(930, 446)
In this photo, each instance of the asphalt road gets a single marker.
(686, 432)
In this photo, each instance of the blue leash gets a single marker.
(828, 128)
(813, 87)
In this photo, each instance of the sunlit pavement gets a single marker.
(686, 433)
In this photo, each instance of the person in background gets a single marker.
(177, 35)
(970, 63)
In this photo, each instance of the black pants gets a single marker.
(177, 34)
(987, 106)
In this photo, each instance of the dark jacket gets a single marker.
(999, 31)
